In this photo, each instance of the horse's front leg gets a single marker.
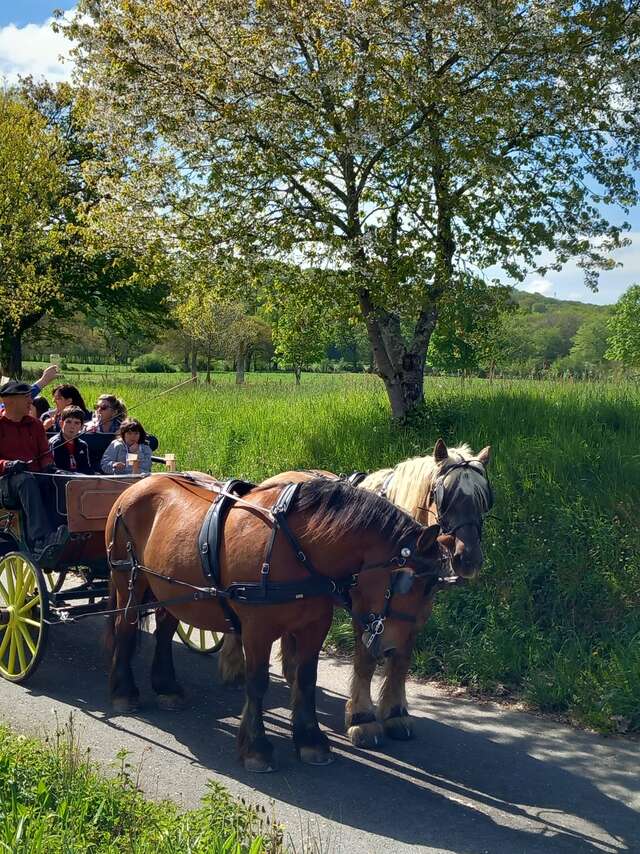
(288, 653)
(231, 660)
(256, 751)
(122, 687)
(363, 729)
(163, 676)
(392, 702)
(312, 745)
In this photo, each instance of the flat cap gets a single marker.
(14, 387)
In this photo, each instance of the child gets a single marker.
(132, 440)
(70, 453)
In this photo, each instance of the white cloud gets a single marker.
(539, 286)
(34, 49)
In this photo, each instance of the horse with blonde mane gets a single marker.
(449, 487)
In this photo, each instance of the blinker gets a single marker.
(402, 581)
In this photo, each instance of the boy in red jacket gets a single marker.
(24, 449)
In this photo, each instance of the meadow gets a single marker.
(554, 617)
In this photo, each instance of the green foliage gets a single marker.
(397, 146)
(624, 326)
(53, 799)
(153, 363)
(555, 612)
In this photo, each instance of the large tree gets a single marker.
(624, 329)
(400, 142)
(51, 263)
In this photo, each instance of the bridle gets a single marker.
(439, 496)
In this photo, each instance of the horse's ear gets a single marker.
(427, 538)
(485, 456)
(440, 451)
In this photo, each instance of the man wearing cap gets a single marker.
(24, 449)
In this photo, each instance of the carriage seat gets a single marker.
(90, 499)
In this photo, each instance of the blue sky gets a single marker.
(27, 46)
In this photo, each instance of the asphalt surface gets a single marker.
(478, 778)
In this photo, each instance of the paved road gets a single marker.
(477, 779)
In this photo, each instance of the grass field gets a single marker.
(555, 614)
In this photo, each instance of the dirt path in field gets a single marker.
(478, 778)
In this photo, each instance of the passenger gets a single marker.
(48, 376)
(70, 452)
(109, 415)
(132, 440)
(23, 451)
(63, 396)
(39, 405)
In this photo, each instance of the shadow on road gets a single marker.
(451, 788)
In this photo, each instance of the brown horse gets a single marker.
(279, 572)
(451, 487)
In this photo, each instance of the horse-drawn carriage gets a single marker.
(299, 543)
(64, 583)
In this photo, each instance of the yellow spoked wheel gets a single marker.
(200, 640)
(24, 609)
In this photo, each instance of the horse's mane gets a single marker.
(339, 508)
(412, 479)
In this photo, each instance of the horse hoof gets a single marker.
(170, 702)
(400, 728)
(259, 765)
(366, 735)
(124, 705)
(315, 756)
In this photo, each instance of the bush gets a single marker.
(153, 363)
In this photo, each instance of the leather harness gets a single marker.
(264, 591)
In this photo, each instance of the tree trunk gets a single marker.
(208, 378)
(297, 370)
(240, 368)
(11, 354)
(194, 363)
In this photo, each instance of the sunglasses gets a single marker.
(103, 406)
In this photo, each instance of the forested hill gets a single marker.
(545, 332)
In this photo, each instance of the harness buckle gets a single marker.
(265, 569)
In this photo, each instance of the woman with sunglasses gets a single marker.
(132, 439)
(109, 415)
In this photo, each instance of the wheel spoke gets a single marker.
(19, 580)
(203, 639)
(30, 622)
(27, 638)
(20, 648)
(12, 654)
(10, 586)
(5, 641)
(29, 605)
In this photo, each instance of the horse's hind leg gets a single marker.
(392, 702)
(163, 677)
(256, 751)
(312, 745)
(362, 727)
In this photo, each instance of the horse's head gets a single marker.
(459, 498)
(390, 587)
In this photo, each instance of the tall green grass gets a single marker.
(52, 799)
(556, 611)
